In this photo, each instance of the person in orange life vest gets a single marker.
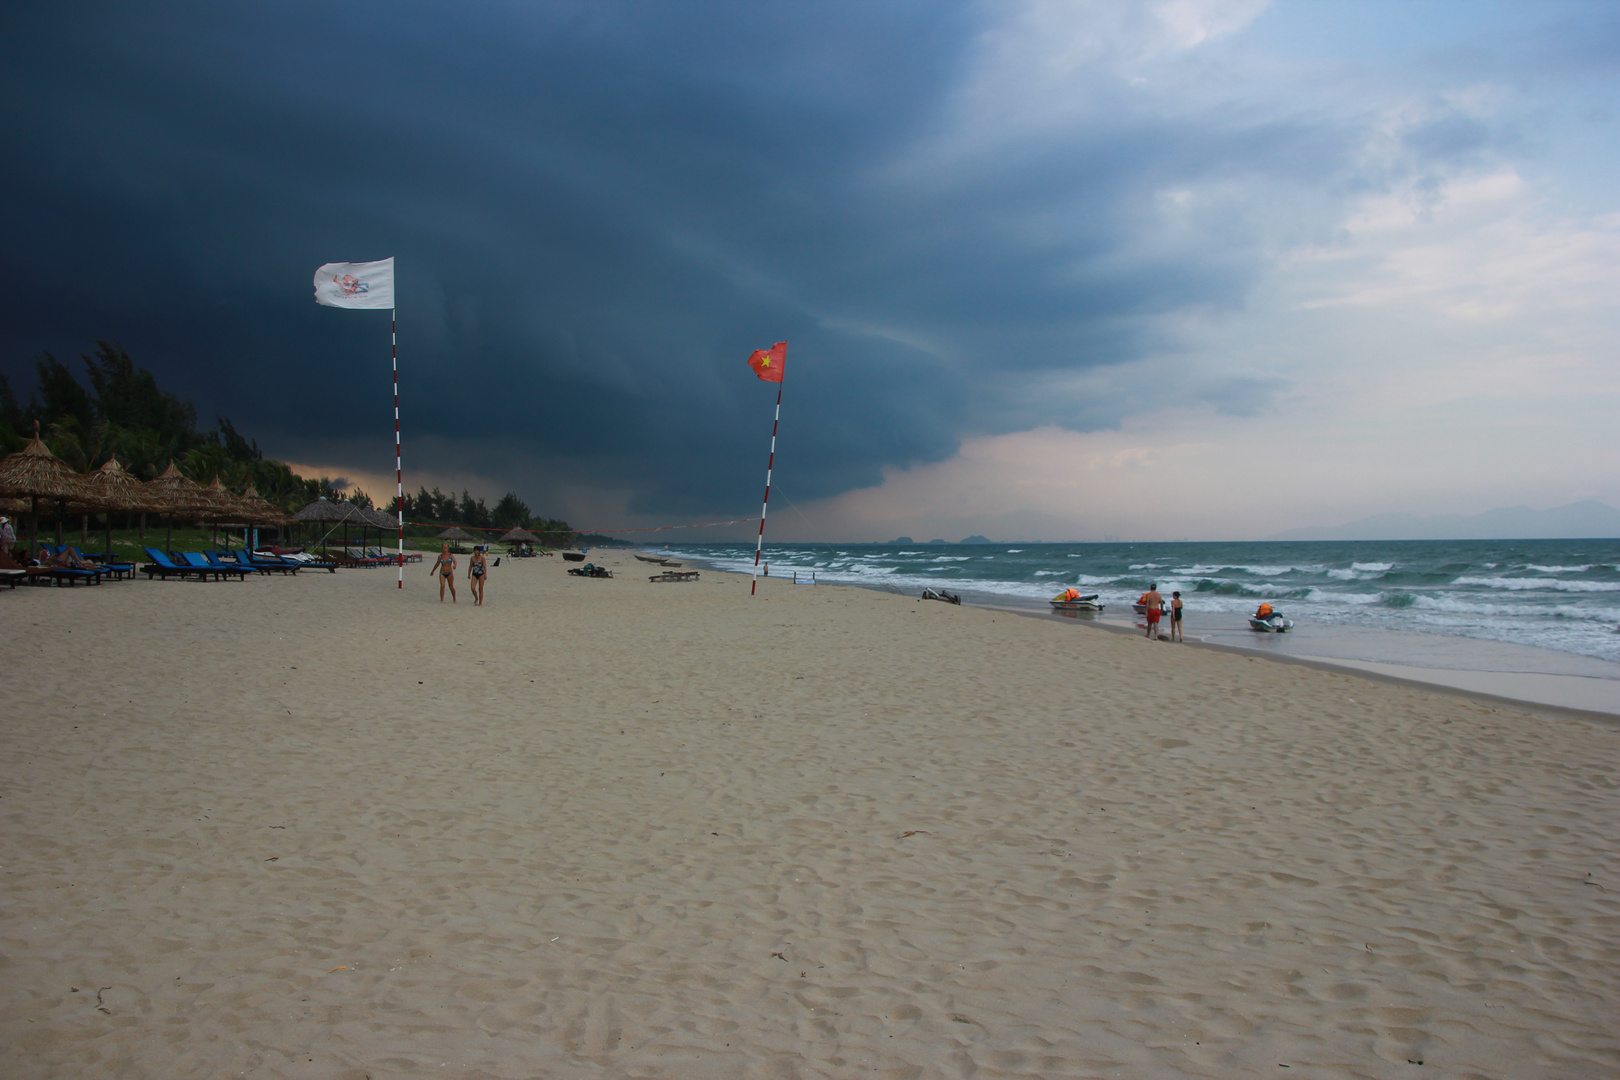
(1262, 611)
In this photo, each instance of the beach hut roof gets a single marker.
(228, 506)
(519, 534)
(325, 510)
(383, 519)
(454, 533)
(112, 487)
(175, 493)
(34, 471)
(262, 510)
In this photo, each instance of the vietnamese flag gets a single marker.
(769, 363)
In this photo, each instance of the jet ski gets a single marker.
(1073, 601)
(1271, 624)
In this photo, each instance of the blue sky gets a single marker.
(1047, 270)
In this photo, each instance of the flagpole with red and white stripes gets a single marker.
(769, 463)
(771, 366)
(399, 469)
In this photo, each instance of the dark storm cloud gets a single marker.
(598, 210)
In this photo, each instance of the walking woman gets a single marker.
(477, 569)
(445, 567)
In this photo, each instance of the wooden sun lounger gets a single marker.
(675, 575)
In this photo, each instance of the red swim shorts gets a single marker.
(1153, 615)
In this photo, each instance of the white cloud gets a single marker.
(1474, 249)
(1043, 65)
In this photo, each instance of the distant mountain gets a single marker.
(1577, 521)
(974, 539)
(902, 540)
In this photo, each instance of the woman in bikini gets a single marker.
(477, 569)
(445, 566)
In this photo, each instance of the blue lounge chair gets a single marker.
(66, 575)
(267, 560)
(162, 566)
(240, 558)
(118, 568)
(304, 564)
(231, 564)
(218, 569)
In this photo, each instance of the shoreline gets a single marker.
(1593, 697)
(1563, 694)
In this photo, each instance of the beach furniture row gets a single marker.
(65, 564)
(62, 565)
(221, 564)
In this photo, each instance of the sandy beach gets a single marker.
(318, 827)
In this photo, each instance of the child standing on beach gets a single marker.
(445, 567)
(477, 568)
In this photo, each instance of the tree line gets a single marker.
(510, 512)
(123, 412)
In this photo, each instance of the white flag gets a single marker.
(356, 285)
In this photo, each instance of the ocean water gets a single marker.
(1562, 595)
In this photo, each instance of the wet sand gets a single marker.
(318, 828)
(1487, 669)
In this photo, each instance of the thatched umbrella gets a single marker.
(519, 536)
(179, 496)
(387, 520)
(229, 509)
(387, 523)
(248, 508)
(114, 488)
(260, 510)
(324, 511)
(454, 534)
(34, 473)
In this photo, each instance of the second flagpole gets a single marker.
(769, 463)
